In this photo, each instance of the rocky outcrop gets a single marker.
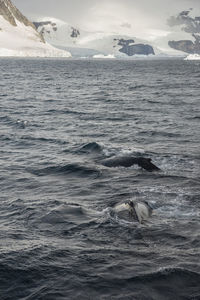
(185, 46)
(75, 32)
(10, 13)
(130, 48)
(47, 27)
(43, 24)
(124, 43)
(137, 49)
(189, 25)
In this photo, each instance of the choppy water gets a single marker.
(59, 237)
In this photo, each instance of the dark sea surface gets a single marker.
(59, 237)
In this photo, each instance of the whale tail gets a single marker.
(134, 210)
(140, 211)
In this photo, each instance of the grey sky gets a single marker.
(105, 13)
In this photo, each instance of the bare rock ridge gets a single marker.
(46, 26)
(10, 13)
(186, 46)
(190, 25)
(42, 24)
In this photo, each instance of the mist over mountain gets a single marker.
(95, 14)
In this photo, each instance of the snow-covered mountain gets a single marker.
(19, 37)
(85, 43)
(56, 38)
(180, 36)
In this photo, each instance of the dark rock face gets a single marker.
(42, 24)
(189, 25)
(123, 42)
(129, 48)
(185, 46)
(75, 32)
(140, 49)
(10, 13)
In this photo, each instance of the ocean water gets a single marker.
(59, 237)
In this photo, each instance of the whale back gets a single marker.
(128, 161)
(124, 161)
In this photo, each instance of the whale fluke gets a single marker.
(128, 161)
(139, 211)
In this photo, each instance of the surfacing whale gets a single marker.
(128, 161)
(137, 210)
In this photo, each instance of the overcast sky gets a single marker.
(104, 14)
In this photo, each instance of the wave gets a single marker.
(193, 118)
(139, 86)
(70, 213)
(66, 111)
(91, 147)
(68, 169)
(6, 119)
(34, 280)
(172, 273)
(66, 220)
(3, 137)
(13, 122)
(45, 140)
(166, 283)
(160, 133)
